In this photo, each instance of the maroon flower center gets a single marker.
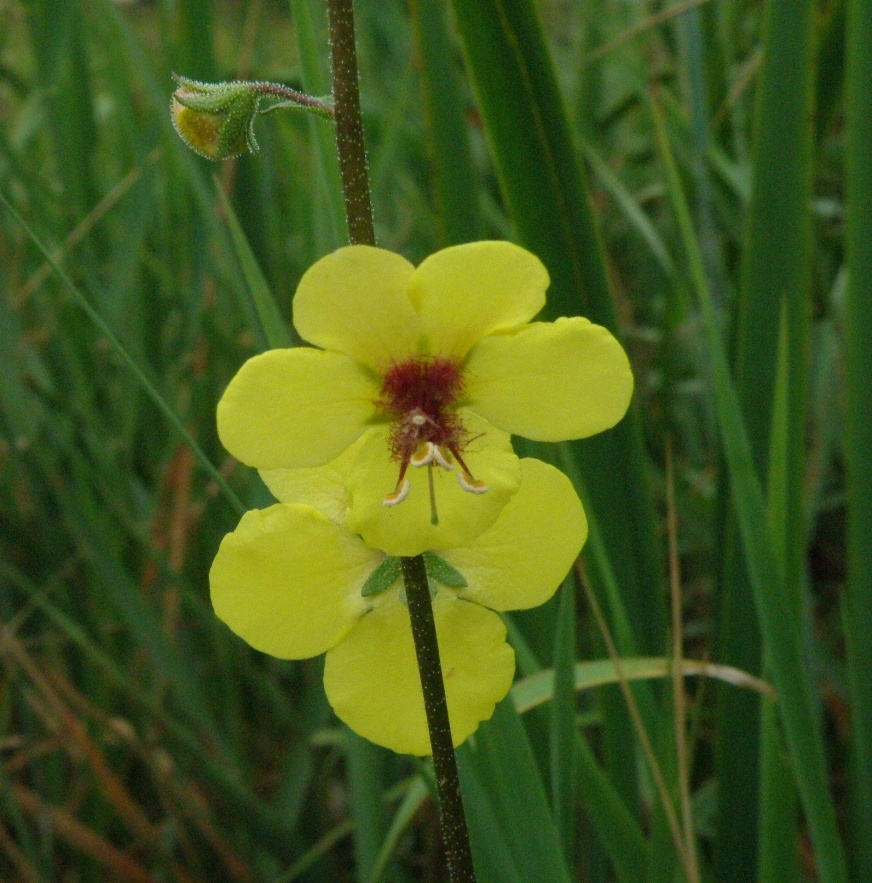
(420, 398)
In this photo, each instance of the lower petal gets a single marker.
(407, 528)
(323, 487)
(295, 407)
(372, 681)
(288, 580)
(521, 560)
(550, 381)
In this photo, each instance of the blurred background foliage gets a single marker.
(681, 168)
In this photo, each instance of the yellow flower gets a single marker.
(294, 583)
(431, 366)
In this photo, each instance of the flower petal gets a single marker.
(356, 300)
(467, 291)
(295, 407)
(372, 680)
(323, 487)
(550, 381)
(288, 580)
(521, 560)
(406, 529)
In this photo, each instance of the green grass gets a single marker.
(698, 180)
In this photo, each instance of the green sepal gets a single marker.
(390, 570)
(211, 97)
(239, 125)
(440, 570)
(383, 577)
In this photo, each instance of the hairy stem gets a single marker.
(454, 832)
(349, 127)
(278, 90)
(358, 209)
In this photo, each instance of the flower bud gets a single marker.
(216, 119)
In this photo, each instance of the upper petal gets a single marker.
(288, 580)
(521, 560)
(295, 407)
(356, 300)
(406, 528)
(467, 291)
(372, 680)
(550, 381)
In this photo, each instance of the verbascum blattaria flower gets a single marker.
(427, 372)
(294, 582)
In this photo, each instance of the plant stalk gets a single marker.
(455, 836)
(349, 126)
(278, 90)
(358, 209)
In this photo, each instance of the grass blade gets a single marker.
(774, 609)
(543, 186)
(857, 602)
(267, 323)
(366, 764)
(562, 722)
(491, 844)
(771, 346)
(455, 183)
(505, 765)
(615, 827)
(537, 689)
(411, 803)
(316, 82)
(148, 387)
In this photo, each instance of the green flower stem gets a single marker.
(278, 90)
(454, 832)
(349, 126)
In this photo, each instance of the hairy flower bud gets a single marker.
(216, 119)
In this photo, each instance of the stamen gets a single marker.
(468, 483)
(434, 515)
(424, 455)
(443, 460)
(459, 459)
(399, 494)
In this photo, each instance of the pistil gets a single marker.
(434, 515)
